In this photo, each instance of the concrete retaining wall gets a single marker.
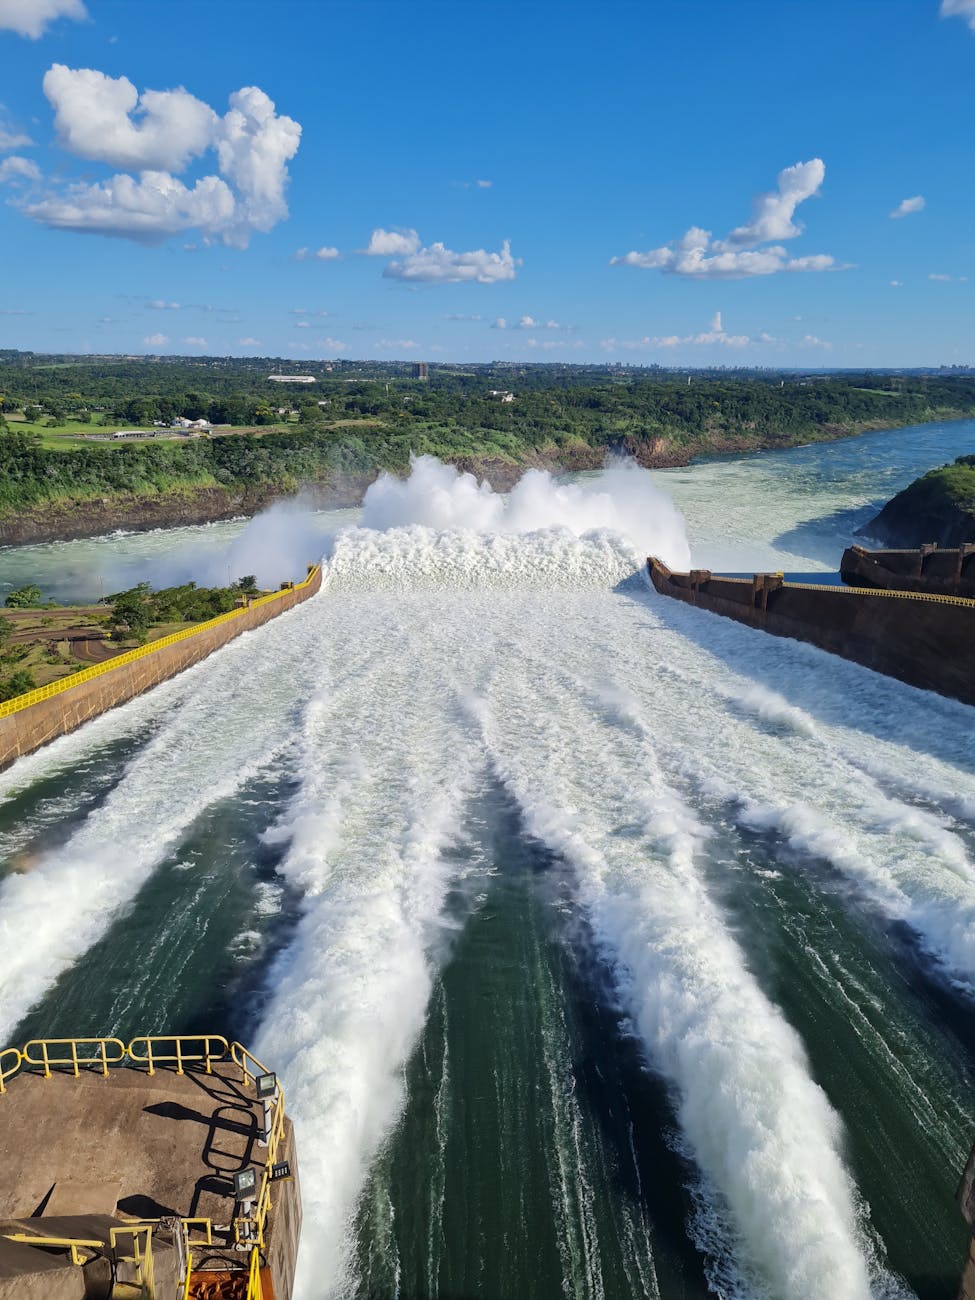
(30, 722)
(946, 572)
(923, 640)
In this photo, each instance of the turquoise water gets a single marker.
(606, 948)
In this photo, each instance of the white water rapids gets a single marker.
(461, 636)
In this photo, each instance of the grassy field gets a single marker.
(77, 433)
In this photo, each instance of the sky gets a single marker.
(672, 182)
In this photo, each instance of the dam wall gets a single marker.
(945, 572)
(31, 720)
(922, 639)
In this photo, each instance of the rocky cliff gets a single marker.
(938, 507)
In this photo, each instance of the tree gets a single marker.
(131, 612)
(247, 586)
(28, 597)
(16, 684)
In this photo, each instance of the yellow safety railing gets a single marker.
(108, 1051)
(74, 1244)
(251, 1229)
(8, 1067)
(152, 1051)
(141, 1256)
(885, 591)
(140, 652)
(254, 1289)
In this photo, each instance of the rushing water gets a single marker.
(607, 948)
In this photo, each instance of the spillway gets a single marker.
(607, 947)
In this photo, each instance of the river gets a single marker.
(606, 948)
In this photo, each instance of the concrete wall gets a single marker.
(946, 572)
(925, 642)
(23, 731)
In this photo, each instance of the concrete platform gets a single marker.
(127, 1144)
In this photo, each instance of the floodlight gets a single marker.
(266, 1084)
(245, 1184)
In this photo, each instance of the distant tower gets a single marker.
(420, 370)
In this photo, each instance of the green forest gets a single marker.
(358, 418)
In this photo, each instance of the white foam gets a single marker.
(203, 752)
(622, 499)
(386, 769)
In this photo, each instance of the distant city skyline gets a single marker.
(681, 184)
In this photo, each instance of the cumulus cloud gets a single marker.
(156, 340)
(249, 343)
(935, 276)
(160, 304)
(714, 336)
(323, 254)
(897, 284)
(18, 169)
(195, 342)
(392, 243)
(31, 17)
(811, 341)
(437, 264)
(396, 345)
(907, 206)
(453, 315)
(747, 250)
(959, 9)
(333, 345)
(104, 119)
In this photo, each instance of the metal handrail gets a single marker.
(72, 1058)
(133, 656)
(153, 1057)
(8, 1071)
(74, 1244)
(255, 1290)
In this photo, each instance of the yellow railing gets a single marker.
(74, 1244)
(7, 1070)
(133, 656)
(254, 1289)
(41, 1048)
(152, 1051)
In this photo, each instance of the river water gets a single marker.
(606, 948)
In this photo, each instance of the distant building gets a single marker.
(500, 393)
(420, 370)
(293, 379)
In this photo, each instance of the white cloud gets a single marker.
(897, 284)
(452, 315)
(194, 342)
(499, 323)
(484, 185)
(811, 341)
(696, 254)
(525, 323)
(18, 169)
(439, 265)
(934, 276)
(249, 343)
(396, 345)
(302, 324)
(156, 340)
(959, 9)
(103, 119)
(392, 243)
(160, 304)
(907, 206)
(323, 254)
(31, 17)
(10, 137)
(714, 336)
(333, 345)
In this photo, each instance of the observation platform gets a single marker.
(117, 1169)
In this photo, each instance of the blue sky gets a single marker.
(536, 181)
